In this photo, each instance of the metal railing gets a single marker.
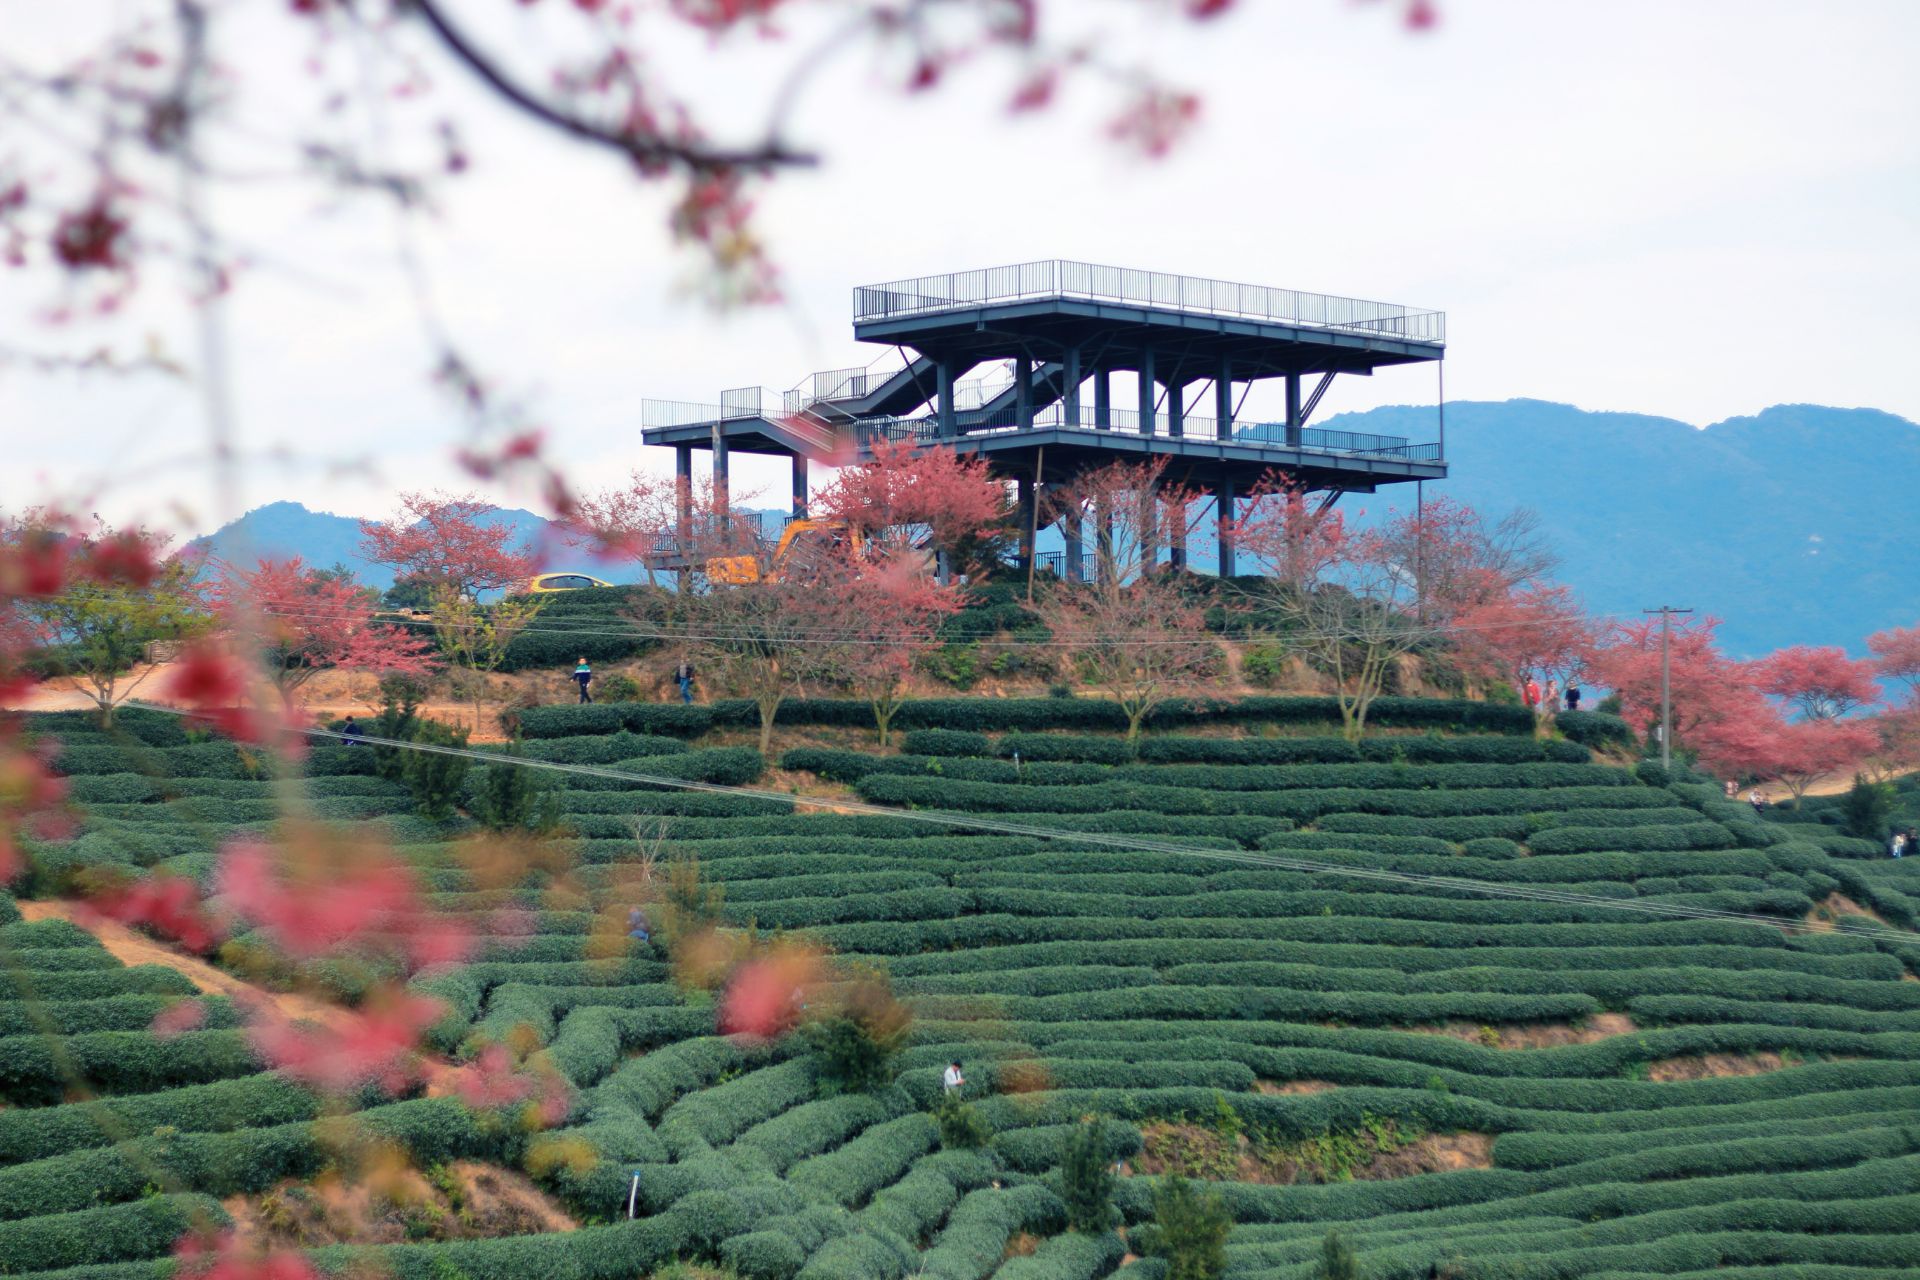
(1056, 563)
(1060, 278)
(925, 429)
(677, 413)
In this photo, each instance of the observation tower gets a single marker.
(1017, 364)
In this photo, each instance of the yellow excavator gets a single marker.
(803, 545)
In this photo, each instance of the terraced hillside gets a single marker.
(1255, 951)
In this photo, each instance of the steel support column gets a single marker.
(1223, 517)
(683, 508)
(1103, 399)
(943, 396)
(1023, 392)
(1148, 388)
(1293, 411)
(1070, 384)
(720, 482)
(1175, 519)
(1176, 410)
(800, 486)
(1223, 401)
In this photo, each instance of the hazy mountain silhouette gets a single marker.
(1800, 525)
(322, 539)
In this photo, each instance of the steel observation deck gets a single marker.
(1042, 340)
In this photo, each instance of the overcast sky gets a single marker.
(1679, 207)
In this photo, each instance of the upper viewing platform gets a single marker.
(1046, 370)
(1266, 330)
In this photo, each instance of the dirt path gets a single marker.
(130, 948)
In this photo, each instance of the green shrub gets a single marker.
(1867, 809)
(1190, 1229)
(433, 778)
(1336, 1261)
(513, 797)
(854, 1053)
(1086, 1179)
(1263, 664)
(620, 687)
(962, 1127)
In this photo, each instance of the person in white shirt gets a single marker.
(951, 1079)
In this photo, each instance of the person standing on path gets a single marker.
(583, 676)
(1897, 844)
(1550, 700)
(1573, 696)
(683, 676)
(1531, 692)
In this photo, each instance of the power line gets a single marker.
(1137, 844)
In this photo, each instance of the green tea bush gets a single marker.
(143, 1229)
(1067, 1257)
(1695, 835)
(1595, 729)
(945, 742)
(37, 1133)
(34, 1070)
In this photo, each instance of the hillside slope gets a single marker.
(1598, 1069)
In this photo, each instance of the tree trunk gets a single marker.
(1353, 717)
(769, 708)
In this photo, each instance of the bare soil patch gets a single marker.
(1837, 907)
(1714, 1066)
(1378, 1152)
(466, 1200)
(1550, 1035)
(1282, 1088)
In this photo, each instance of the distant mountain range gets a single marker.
(1800, 525)
(322, 539)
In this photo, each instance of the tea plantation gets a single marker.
(1592, 1072)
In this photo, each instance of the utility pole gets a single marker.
(1666, 612)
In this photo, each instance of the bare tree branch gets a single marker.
(649, 149)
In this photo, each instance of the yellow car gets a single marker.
(545, 582)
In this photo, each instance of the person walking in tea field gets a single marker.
(582, 676)
(951, 1080)
(683, 676)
